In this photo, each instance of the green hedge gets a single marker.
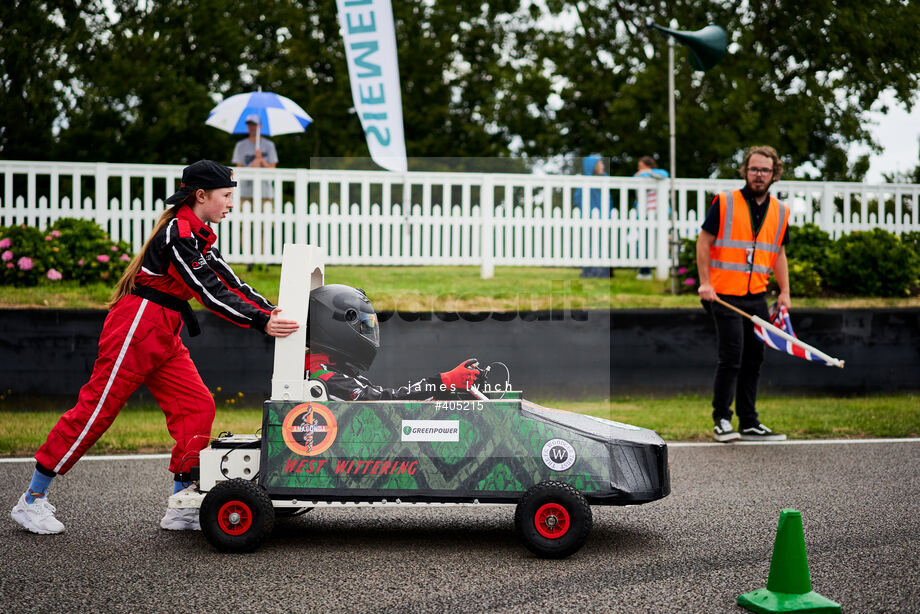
(808, 243)
(70, 249)
(873, 263)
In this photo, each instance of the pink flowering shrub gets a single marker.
(71, 250)
(26, 255)
(687, 273)
(92, 256)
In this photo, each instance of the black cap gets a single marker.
(202, 175)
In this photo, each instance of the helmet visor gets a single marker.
(366, 324)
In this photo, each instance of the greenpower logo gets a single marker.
(431, 430)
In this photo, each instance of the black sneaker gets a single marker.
(759, 432)
(723, 431)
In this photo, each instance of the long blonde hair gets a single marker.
(126, 283)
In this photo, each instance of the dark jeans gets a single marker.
(740, 357)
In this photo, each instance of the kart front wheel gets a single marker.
(553, 520)
(237, 516)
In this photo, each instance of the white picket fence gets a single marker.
(383, 218)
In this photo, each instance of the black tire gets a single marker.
(553, 520)
(237, 516)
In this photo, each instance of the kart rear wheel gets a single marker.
(553, 519)
(237, 516)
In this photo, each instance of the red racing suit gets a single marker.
(140, 344)
(346, 384)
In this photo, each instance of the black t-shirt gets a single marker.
(711, 223)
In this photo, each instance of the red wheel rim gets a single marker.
(234, 518)
(552, 521)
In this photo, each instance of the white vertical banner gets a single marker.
(370, 49)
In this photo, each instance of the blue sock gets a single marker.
(38, 487)
(177, 486)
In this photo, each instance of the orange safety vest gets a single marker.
(740, 263)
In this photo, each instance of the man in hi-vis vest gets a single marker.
(741, 241)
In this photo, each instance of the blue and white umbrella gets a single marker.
(278, 115)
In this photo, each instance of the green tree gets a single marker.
(40, 47)
(125, 81)
(452, 72)
(159, 67)
(797, 76)
(148, 88)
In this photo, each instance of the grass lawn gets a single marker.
(683, 418)
(449, 288)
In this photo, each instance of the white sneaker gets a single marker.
(723, 431)
(185, 519)
(37, 517)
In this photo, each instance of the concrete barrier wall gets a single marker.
(579, 354)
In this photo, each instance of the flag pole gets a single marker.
(760, 321)
(733, 308)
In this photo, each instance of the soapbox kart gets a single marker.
(496, 448)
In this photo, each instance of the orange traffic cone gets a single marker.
(789, 585)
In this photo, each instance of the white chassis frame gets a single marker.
(302, 270)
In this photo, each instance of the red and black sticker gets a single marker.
(309, 429)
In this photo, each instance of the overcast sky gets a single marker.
(898, 133)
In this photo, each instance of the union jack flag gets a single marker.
(773, 336)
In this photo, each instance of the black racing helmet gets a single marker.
(343, 322)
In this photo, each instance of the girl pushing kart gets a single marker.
(140, 344)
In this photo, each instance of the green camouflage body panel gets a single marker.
(457, 449)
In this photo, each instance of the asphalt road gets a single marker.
(694, 551)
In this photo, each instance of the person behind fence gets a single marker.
(742, 240)
(247, 154)
(592, 165)
(344, 337)
(140, 344)
(647, 167)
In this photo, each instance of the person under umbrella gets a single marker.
(255, 152)
(258, 114)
